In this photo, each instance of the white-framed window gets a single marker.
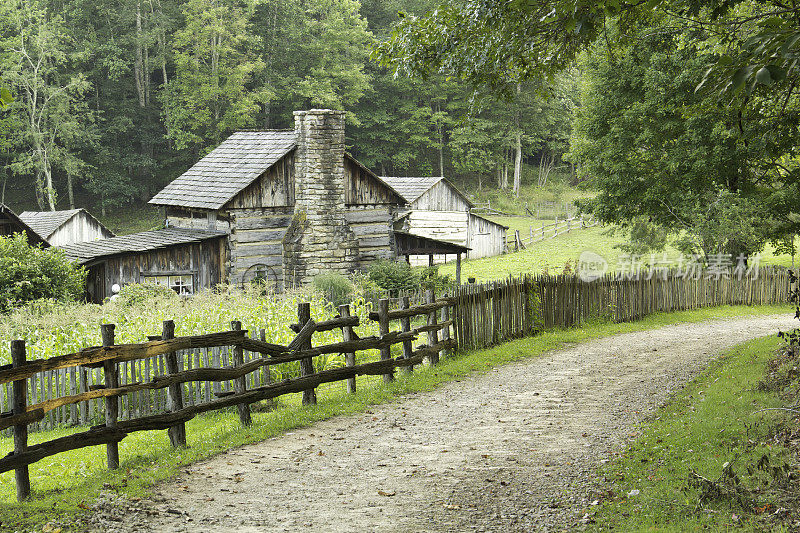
(183, 284)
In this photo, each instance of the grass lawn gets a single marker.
(65, 484)
(711, 422)
(553, 254)
(132, 219)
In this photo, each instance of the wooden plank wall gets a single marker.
(274, 188)
(372, 226)
(257, 239)
(204, 260)
(441, 197)
(79, 228)
(486, 238)
(450, 226)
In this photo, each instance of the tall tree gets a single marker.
(211, 94)
(55, 117)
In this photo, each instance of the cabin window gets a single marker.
(182, 284)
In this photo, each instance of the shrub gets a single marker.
(393, 276)
(431, 279)
(336, 288)
(29, 273)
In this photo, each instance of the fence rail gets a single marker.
(163, 383)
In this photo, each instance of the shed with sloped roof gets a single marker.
(185, 260)
(437, 209)
(65, 227)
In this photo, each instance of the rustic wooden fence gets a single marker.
(517, 241)
(162, 383)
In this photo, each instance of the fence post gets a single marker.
(20, 405)
(240, 384)
(445, 316)
(177, 433)
(383, 329)
(405, 327)
(347, 336)
(111, 382)
(306, 364)
(433, 335)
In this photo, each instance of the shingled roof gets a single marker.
(86, 252)
(45, 223)
(227, 169)
(411, 188)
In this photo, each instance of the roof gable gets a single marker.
(45, 223)
(33, 236)
(86, 252)
(228, 169)
(412, 188)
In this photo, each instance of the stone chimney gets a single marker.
(321, 239)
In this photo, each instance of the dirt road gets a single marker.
(511, 450)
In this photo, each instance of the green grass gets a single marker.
(702, 428)
(63, 485)
(132, 219)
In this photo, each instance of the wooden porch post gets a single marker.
(458, 268)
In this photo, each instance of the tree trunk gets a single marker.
(504, 184)
(70, 193)
(50, 192)
(518, 147)
(518, 164)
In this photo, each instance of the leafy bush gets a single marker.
(29, 273)
(393, 276)
(336, 288)
(431, 279)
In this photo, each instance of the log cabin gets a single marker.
(293, 202)
(65, 227)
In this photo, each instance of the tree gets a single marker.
(211, 95)
(56, 120)
(656, 150)
(28, 273)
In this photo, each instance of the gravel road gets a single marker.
(510, 450)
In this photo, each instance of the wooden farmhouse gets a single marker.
(10, 224)
(65, 227)
(437, 209)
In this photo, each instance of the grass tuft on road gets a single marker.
(66, 485)
(713, 421)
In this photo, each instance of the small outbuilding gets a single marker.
(65, 227)
(185, 260)
(436, 208)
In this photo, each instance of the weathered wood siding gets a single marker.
(361, 188)
(204, 260)
(373, 229)
(441, 197)
(178, 217)
(274, 188)
(256, 242)
(80, 228)
(486, 238)
(450, 226)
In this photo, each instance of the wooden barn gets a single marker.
(186, 260)
(294, 203)
(65, 227)
(438, 209)
(10, 224)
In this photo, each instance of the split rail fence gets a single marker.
(163, 383)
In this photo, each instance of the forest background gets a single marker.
(114, 99)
